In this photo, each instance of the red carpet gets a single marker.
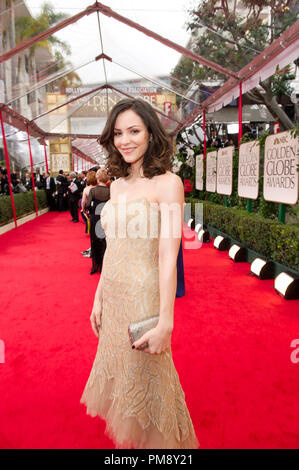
(231, 346)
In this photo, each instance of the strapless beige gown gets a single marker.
(139, 395)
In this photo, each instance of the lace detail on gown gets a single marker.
(138, 394)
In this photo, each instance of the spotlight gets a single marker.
(237, 253)
(287, 286)
(198, 227)
(204, 236)
(191, 223)
(262, 269)
(221, 243)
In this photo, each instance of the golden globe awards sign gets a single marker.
(211, 171)
(199, 172)
(248, 175)
(225, 170)
(280, 168)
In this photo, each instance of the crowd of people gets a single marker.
(76, 192)
(95, 194)
(20, 183)
(216, 142)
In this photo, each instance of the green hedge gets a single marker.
(268, 237)
(24, 204)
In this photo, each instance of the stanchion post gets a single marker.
(8, 171)
(32, 176)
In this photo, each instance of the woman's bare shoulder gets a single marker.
(169, 187)
(115, 186)
(169, 181)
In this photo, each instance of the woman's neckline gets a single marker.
(134, 200)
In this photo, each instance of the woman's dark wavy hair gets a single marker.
(157, 158)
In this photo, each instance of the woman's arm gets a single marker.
(84, 198)
(171, 206)
(88, 200)
(95, 317)
(171, 202)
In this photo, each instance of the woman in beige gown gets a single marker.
(136, 389)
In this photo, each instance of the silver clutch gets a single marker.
(138, 328)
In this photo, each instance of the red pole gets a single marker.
(32, 176)
(8, 171)
(73, 159)
(46, 159)
(204, 131)
(240, 114)
(77, 162)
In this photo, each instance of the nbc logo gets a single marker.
(280, 140)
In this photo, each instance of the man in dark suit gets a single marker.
(214, 141)
(62, 185)
(4, 188)
(15, 178)
(74, 194)
(225, 141)
(27, 182)
(50, 190)
(39, 180)
(82, 177)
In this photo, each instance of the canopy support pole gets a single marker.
(204, 132)
(46, 159)
(8, 171)
(240, 114)
(32, 175)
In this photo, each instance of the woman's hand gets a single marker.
(158, 340)
(95, 318)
